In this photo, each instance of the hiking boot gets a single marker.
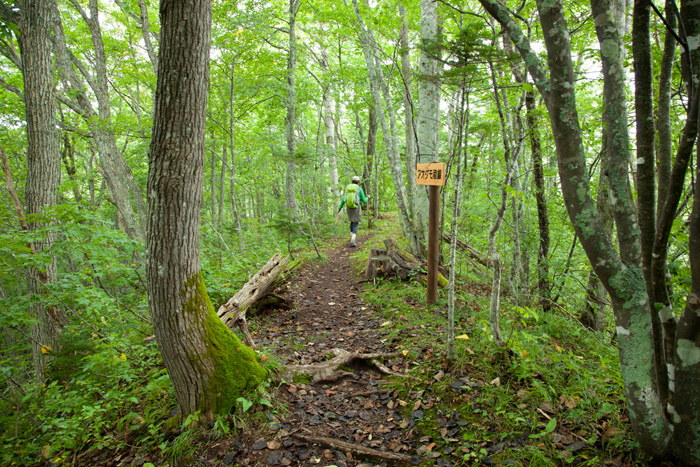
(352, 244)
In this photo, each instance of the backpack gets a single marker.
(352, 196)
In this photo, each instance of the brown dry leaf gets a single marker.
(496, 382)
(390, 405)
(404, 424)
(545, 407)
(570, 403)
(416, 406)
(430, 446)
(274, 445)
(612, 432)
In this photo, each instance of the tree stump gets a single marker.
(392, 262)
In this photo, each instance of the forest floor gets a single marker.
(356, 408)
(551, 397)
(406, 406)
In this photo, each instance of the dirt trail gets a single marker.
(358, 408)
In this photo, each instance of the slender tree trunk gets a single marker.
(408, 106)
(43, 170)
(116, 172)
(428, 114)
(212, 179)
(290, 120)
(377, 86)
(543, 283)
(463, 127)
(329, 125)
(207, 364)
(494, 306)
(232, 143)
(222, 187)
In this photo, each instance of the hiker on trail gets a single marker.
(353, 199)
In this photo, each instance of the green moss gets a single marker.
(234, 367)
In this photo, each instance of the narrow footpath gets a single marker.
(330, 422)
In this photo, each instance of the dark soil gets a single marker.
(359, 408)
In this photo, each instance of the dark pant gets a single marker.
(353, 227)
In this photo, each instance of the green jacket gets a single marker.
(363, 198)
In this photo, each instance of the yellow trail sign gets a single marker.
(431, 174)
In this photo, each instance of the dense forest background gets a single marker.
(571, 199)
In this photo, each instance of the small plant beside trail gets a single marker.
(552, 396)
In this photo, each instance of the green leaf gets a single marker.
(551, 425)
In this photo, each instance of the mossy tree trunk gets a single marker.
(208, 365)
(664, 432)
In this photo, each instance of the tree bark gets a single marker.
(290, 120)
(207, 364)
(115, 170)
(43, 170)
(377, 87)
(428, 114)
(408, 106)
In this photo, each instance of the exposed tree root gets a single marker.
(355, 449)
(329, 370)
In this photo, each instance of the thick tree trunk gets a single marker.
(43, 168)
(207, 364)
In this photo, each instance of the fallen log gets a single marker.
(356, 449)
(391, 261)
(259, 291)
(478, 256)
(329, 370)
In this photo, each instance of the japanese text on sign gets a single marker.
(430, 174)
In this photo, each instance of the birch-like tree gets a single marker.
(664, 429)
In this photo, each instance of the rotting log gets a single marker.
(391, 261)
(475, 254)
(260, 290)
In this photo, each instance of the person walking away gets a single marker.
(353, 199)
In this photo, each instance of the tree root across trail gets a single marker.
(339, 408)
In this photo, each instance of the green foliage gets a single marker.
(551, 366)
(107, 392)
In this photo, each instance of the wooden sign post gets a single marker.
(432, 174)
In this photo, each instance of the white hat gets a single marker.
(356, 178)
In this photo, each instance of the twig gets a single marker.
(13, 193)
(354, 448)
